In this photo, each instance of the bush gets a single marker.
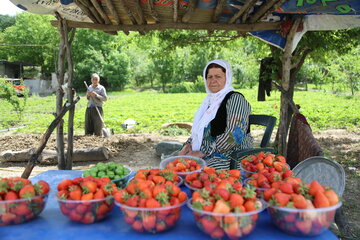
(188, 87)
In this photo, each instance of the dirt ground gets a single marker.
(138, 151)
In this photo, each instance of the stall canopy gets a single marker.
(269, 20)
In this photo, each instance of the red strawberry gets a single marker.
(11, 195)
(320, 200)
(27, 191)
(286, 188)
(281, 199)
(332, 197)
(208, 224)
(315, 187)
(41, 187)
(303, 226)
(299, 201)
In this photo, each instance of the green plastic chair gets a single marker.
(263, 120)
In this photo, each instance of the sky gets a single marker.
(7, 7)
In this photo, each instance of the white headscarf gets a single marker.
(210, 105)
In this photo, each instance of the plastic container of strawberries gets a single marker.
(21, 210)
(166, 161)
(151, 220)
(86, 211)
(228, 225)
(303, 222)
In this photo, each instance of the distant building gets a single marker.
(14, 71)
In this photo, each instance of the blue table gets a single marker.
(51, 224)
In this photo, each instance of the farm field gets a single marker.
(334, 120)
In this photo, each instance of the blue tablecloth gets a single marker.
(51, 224)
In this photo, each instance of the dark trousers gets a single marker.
(93, 123)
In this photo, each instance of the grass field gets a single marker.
(152, 109)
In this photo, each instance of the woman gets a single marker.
(221, 124)
(96, 96)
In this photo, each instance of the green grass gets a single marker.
(152, 109)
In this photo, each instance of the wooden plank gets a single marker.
(189, 10)
(129, 14)
(92, 10)
(152, 10)
(175, 7)
(112, 10)
(218, 10)
(244, 8)
(100, 11)
(270, 10)
(86, 11)
(138, 14)
(184, 26)
(32, 161)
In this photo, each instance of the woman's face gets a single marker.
(215, 79)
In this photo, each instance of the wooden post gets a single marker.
(59, 100)
(32, 161)
(70, 94)
(285, 84)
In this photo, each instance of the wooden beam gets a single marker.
(139, 16)
(93, 10)
(100, 11)
(184, 26)
(127, 10)
(218, 10)
(33, 159)
(113, 12)
(175, 7)
(265, 9)
(152, 10)
(244, 8)
(86, 11)
(285, 84)
(189, 10)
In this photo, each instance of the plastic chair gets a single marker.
(263, 120)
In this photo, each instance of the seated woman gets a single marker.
(221, 124)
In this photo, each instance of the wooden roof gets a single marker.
(146, 15)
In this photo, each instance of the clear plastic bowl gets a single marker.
(121, 182)
(166, 161)
(21, 210)
(86, 211)
(303, 222)
(228, 225)
(151, 220)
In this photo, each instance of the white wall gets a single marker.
(39, 86)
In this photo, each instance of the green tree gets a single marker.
(31, 29)
(6, 21)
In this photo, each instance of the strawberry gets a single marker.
(27, 191)
(281, 199)
(332, 197)
(315, 187)
(303, 226)
(222, 194)
(64, 184)
(41, 187)
(152, 203)
(75, 194)
(221, 207)
(149, 221)
(268, 193)
(249, 206)
(320, 200)
(236, 200)
(286, 188)
(299, 201)
(89, 186)
(208, 224)
(11, 195)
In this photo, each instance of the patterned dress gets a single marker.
(219, 149)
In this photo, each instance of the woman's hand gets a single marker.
(186, 149)
(197, 154)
